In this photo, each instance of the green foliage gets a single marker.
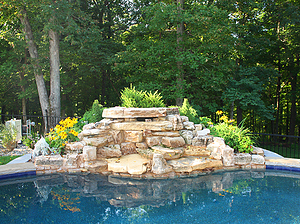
(206, 121)
(187, 110)
(131, 97)
(246, 90)
(236, 137)
(95, 113)
(8, 136)
(30, 140)
(151, 57)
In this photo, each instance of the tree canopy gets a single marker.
(241, 57)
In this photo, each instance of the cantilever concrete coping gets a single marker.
(20, 167)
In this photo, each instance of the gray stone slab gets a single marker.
(271, 154)
(22, 159)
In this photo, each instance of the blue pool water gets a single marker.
(229, 197)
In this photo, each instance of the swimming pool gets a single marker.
(227, 197)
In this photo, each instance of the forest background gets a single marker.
(241, 57)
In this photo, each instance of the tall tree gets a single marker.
(158, 52)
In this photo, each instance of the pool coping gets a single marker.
(21, 167)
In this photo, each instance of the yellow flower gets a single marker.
(224, 118)
(219, 112)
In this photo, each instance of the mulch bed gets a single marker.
(20, 150)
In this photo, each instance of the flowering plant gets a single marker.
(236, 137)
(66, 131)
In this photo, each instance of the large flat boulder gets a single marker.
(191, 150)
(166, 134)
(122, 112)
(140, 126)
(98, 142)
(173, 142)
(132, 164)
(133, 136)
(189, 164)
(110, 151)
(167, 152)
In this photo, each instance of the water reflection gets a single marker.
(123, 192)
(93, 197)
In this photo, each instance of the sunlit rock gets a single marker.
(191, 150)
(133, 164)
(202, 140)
(140, 126)
(154, 140)
(242, 158)
(159, 164)
(128, 148)
(189, 164)
(257, 159)
(168, 153)
(227, 156)
(89, 153)
(203, 132)
(133, 136)
(99, 141)
(187, 135)
(109, 151)
(173, 142)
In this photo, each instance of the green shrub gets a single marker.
(95, 113)
(206, 121)
(130, 97)
(187, 110)
(30, 140)
(8, 136)
(236, 137)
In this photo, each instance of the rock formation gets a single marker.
(146, 143)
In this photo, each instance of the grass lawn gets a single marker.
(7, 159)
(292, 151)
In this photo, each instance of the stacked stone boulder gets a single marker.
(146, 143)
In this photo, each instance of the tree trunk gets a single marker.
(54, 78)
(40, 82)
(293, 100)
(24, 117)
(103, 92)
(239, 115)
(231, 110)
(180, 32)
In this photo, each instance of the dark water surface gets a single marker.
(227, 197)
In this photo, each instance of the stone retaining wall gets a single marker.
(147, 143)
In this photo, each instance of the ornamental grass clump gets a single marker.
(236, 137)
(130, 97)
(66, 131)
